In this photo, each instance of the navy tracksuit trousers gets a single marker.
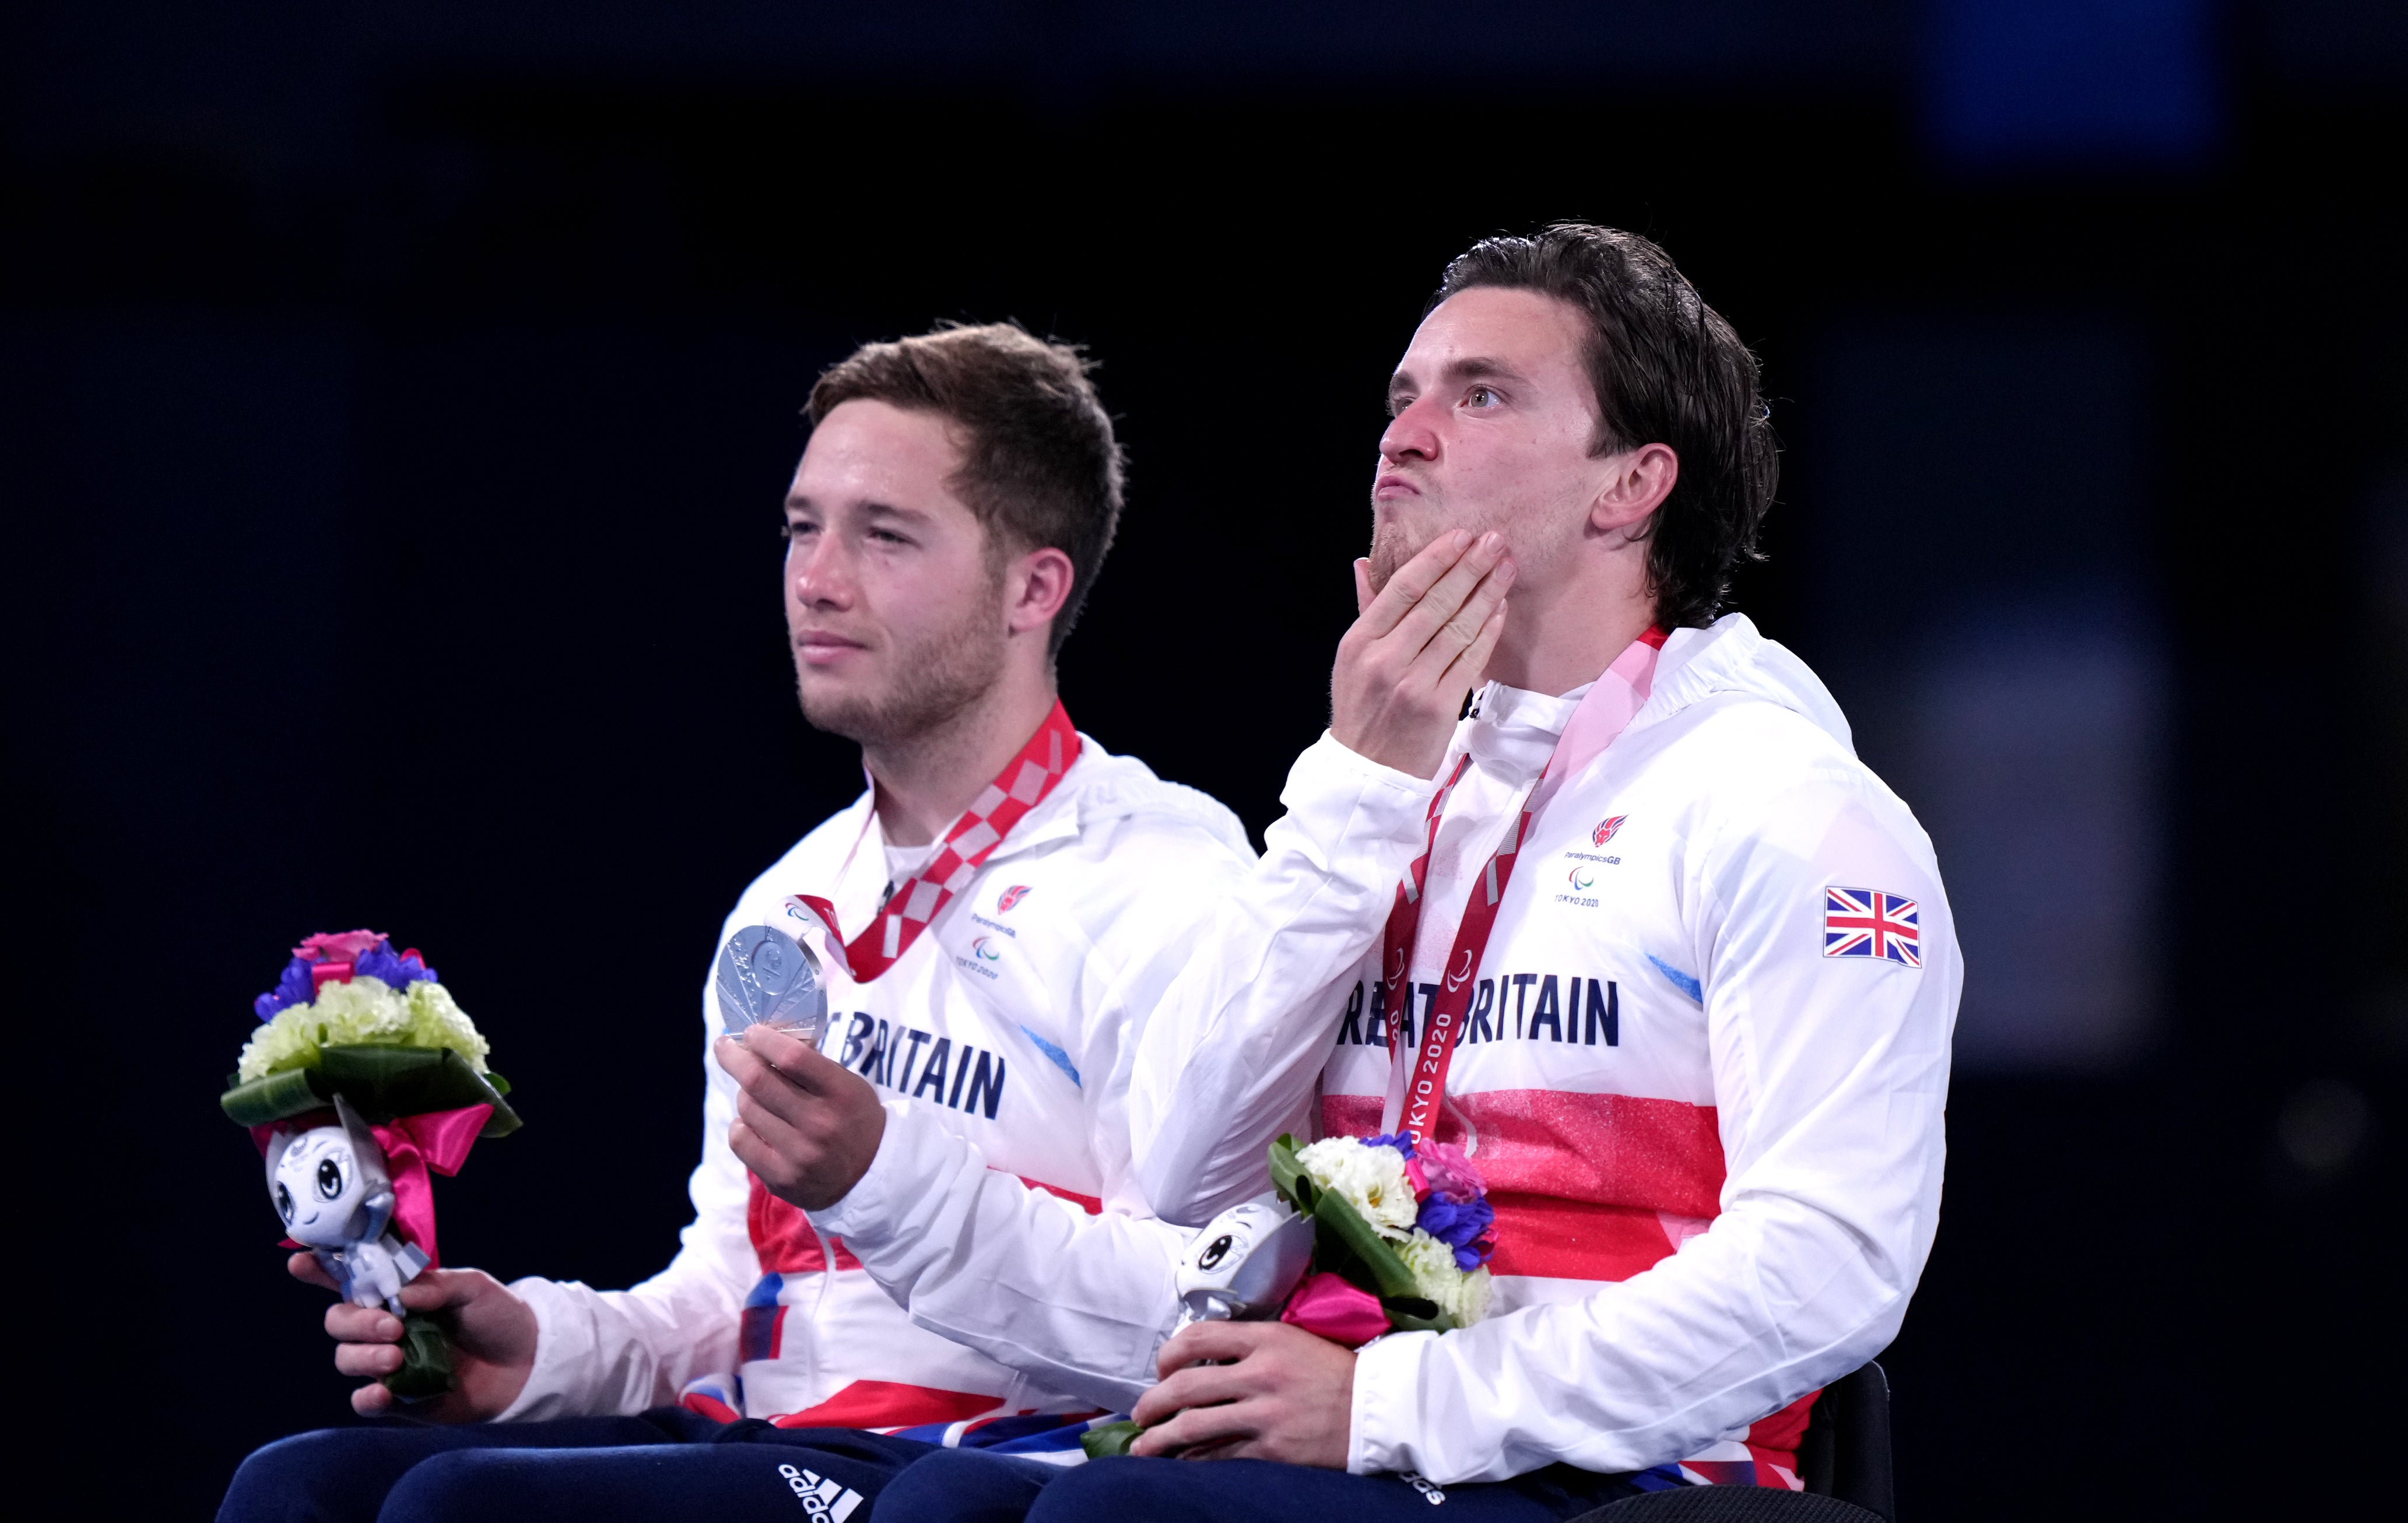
(674, 1465)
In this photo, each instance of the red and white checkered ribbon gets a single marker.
(1021, 786)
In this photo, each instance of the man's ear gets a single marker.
(1036, 586)
(1637, 481)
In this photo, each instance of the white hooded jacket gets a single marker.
(996, 1260)
(1709, 1110)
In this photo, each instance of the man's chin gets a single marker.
(842, 711)
(1391, 548)
(895, 715)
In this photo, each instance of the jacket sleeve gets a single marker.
(601, 1352)
(1830, 1077)
(1240, 1023)
(1079, 1302)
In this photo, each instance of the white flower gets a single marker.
(361, 1010)
(437, 1021)
(1372, 1180)
(1461, 1296)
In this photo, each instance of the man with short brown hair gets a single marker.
(924, 1230)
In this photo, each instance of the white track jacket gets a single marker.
(1707, 1103)
(997, 1260)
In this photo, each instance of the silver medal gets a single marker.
(767, 977)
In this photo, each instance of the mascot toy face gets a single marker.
(319, 1186)
(330, 1184)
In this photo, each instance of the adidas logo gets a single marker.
(821, 1497)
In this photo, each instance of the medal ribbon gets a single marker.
(1602, 714)
(1021, 786)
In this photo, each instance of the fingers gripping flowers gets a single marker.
(362, 1078)
(1401, 1233)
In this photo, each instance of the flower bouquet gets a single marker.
(362, 1075)
(1398, 1231)
(1402, 1231)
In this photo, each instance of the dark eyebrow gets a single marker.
(870, 509)
(1479, 367)
(1462, 371)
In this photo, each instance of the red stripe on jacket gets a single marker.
(1598, 1150)
(782, 1238)
(887, 1404)
(1580, 1185)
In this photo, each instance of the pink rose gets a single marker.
(1450, 1173)
(345, 947)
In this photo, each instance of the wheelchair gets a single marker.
(1845, 1460)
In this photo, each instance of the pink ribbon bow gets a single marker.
(438, 1140)
(1327, 1305)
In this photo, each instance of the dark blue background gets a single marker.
(398, 401)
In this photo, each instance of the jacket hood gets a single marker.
(1730, 656)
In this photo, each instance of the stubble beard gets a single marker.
(1393, 544)
(933, 683)
(1390, 551)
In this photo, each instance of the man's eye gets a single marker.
(888, 537)
(1481, 396)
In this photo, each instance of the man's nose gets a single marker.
(1410, 434)
(820, 573)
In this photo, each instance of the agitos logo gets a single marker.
(1582, 879)
(983, 948)
(1605, 830)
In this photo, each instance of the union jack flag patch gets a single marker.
(1868, 922)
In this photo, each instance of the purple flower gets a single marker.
(397, 971)
(1401, 1140)
(293, 988)
(1460, 1224)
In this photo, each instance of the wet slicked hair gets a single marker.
(1667, 369)
(1039, 467)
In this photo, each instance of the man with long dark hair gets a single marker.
(1639, 936)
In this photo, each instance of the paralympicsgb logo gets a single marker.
(1605, 828)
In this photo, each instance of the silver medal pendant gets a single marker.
(766, 977)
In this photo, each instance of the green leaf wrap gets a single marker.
(1288, 1177)
(1110, 1441)
(1416, 1314)
(1335, 1217)
(380, 1082)
(425, 1360)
